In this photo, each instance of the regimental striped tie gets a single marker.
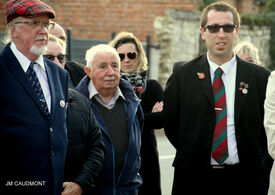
(33, 79)
(219, 144)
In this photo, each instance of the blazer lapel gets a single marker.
(204, 79)
(52, 88)
(242, 76)
(19, 74)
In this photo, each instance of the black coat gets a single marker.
(190, 120)
(76, 71)
(150, 169)
(86, 149)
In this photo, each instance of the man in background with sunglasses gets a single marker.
(75, 69)
(213, 111)
(33, 131)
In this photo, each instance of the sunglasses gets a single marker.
(61, 57)
(130, 55)
(228, 28)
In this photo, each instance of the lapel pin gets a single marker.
(62, 103)
(244, 91)
(201, 75)
(243, 87)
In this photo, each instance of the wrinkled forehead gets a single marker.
(101, 57)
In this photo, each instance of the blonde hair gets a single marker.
(249, 49)
(127, 37)
(100, 48)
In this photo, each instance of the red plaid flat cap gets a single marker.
(27, 8)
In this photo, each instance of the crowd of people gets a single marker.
(72, 129)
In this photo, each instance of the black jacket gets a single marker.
(86, 150)
(150, 168)
(190, 120)
(75, 70)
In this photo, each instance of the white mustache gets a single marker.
(40, 37)
(109, 78)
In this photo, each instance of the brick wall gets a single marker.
(97, 19)
(245, 6)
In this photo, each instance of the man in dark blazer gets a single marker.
(33, 132)
(190, 115)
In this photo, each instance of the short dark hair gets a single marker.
(222, 7)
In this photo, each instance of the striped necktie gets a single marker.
(219, 144)
(33, 79)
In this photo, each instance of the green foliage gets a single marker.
(270, 6)
(205, 3)
(254, 20)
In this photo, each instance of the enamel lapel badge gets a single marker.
(201, 75)
(243, 87)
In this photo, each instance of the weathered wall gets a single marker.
(178, 35)
(97, 19)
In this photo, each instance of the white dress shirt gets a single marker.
(94, 93)
(229, 79)
(39, 69)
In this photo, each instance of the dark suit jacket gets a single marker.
(32, 146)
(190, 116)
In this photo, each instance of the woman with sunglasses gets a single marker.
(133, 69)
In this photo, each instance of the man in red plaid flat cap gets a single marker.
(33, 132)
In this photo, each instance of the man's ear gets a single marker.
(87, 70)
(202, 33)
(13, 32)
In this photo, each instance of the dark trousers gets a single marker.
(217, 180)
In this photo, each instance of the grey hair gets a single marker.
(7, 37)
(101, 48)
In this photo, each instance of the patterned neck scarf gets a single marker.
(138, 81)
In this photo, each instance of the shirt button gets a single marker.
(51, 129)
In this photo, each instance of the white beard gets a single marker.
(38, 50)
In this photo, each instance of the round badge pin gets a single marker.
(62, 103)
(245, 91)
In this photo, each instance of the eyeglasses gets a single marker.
(228, 28)
(36, 24)
(130, 55)
(61, 57)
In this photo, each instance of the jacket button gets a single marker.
(51, 129)
(52, 153)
